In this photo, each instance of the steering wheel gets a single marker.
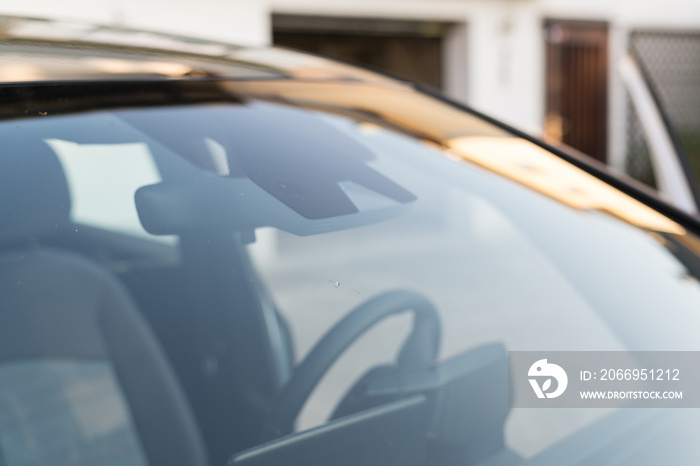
(418, 352)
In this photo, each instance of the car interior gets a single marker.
(124, 349)
(189, 355)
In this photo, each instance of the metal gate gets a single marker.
(670, 61)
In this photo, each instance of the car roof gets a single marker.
(42, 50)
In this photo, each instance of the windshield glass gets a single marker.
(225, 267)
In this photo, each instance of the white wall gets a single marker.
(506, 65)
(245, 22)
(630, 13)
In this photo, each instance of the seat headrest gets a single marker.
(34, 195)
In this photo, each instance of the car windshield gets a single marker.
(273, 273)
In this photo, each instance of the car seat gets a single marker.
(82, 378)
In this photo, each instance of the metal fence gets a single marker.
(671, 63)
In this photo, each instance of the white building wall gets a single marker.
(505, 71)
(245, 22)
(629, 13)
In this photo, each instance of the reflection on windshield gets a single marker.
(526, 163)
(350, 273)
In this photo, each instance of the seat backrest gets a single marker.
(82, 378)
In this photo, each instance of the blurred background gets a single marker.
(554, 68)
